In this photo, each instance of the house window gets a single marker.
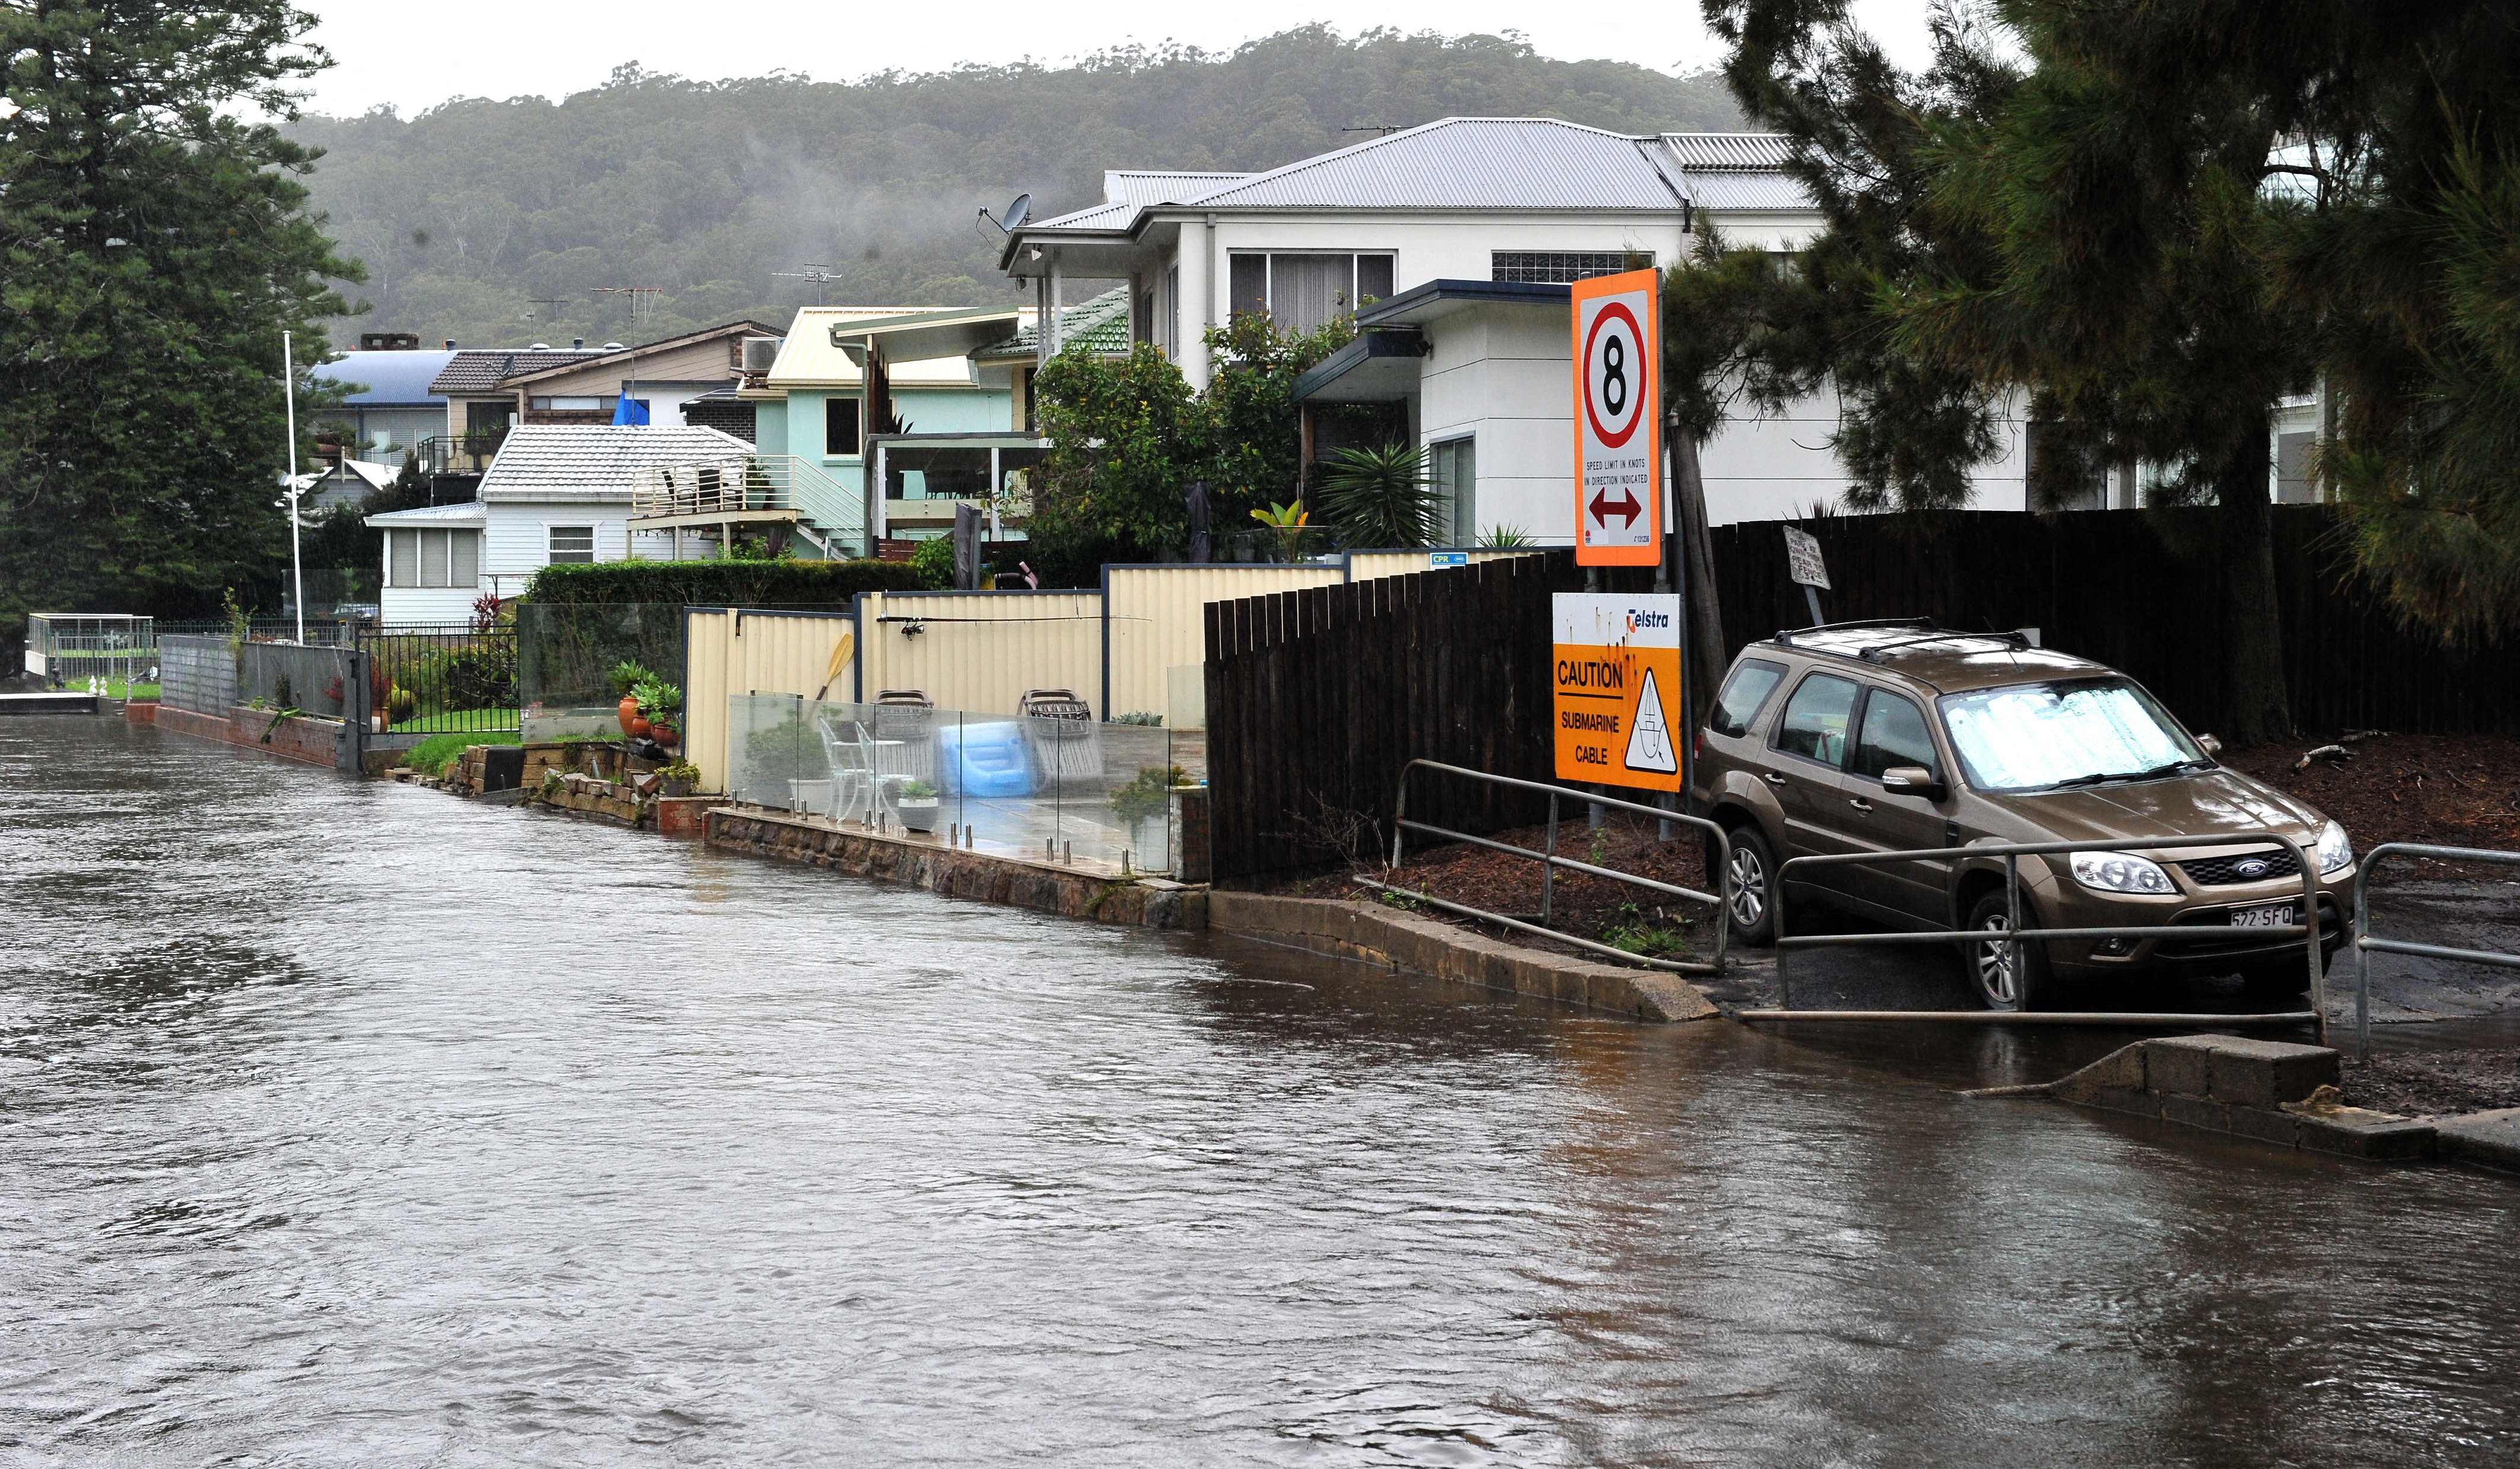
(1168, 314)
(568, 404)
(1305, 292)
(432, 559)
(1559, 268)
(1456, 465)
(572, 546)
(840, 426)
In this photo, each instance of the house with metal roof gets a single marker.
(1428, 237)
(553, 493)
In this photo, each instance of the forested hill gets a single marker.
(475, 213)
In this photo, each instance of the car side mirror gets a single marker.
(1911, 780)
(2209, 744)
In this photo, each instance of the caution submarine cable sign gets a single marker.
(1618, 420)
(1617, 676)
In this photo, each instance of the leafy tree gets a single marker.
(153, 247)
(1128, 438)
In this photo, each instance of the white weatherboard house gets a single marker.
(1427, 220)
(555, 493)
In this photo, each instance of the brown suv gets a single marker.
(1898, 735)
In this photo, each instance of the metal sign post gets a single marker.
(1804, 565)
(1617, 323)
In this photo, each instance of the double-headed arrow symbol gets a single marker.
(1625, 507)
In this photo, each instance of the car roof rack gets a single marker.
(1786, 635)
(2016, 640)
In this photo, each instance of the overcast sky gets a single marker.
(417, 58)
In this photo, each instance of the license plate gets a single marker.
(2273, 915)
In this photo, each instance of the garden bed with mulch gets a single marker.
(2449, 790)
(1631, 918)
(2435, 1083)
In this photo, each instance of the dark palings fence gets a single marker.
(1316, 700)
(443, 679)
(2140, 591)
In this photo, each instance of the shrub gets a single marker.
(431, 756)
(721, 584)
(934, 563)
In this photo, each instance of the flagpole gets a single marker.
(289, 389)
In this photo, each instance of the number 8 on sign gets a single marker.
(1618, 469)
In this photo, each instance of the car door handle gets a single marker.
(1861, 805)
(1774, 779)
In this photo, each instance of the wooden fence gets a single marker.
(2141, 592)
(1317, 698)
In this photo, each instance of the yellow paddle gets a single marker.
(842, 652)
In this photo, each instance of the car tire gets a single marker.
(1749, 889)
(2023, 983)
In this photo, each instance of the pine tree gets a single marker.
(153, 245)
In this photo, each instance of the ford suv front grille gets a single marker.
(2247, 867)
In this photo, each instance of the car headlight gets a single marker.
(2336, 850)
(2120, 872)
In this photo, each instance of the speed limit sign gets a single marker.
(1618, 425)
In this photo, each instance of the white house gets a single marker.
(554, 493)
(1464, 203)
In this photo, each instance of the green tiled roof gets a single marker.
(1100, 324)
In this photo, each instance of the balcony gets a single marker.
(753, 489)
(466, 453)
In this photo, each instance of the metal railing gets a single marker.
(2364, 945)
(1551, 861)
(466, 453)
(453, 678)
(2015, 934)
(752, 486)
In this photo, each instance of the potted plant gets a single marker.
(627, 678)
(1143, 806)
(916, 801)
(679, 777)
(659, 708)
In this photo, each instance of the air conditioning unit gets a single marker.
(758, 353)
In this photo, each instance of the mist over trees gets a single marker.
(476, 212)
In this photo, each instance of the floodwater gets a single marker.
(350, 1122)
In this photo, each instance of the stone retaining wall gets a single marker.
(922, 862)
(1409, 940)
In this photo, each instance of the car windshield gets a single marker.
(2035, 736)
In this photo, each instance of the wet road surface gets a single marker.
(351, 1123)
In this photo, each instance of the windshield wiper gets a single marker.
(2097, 777)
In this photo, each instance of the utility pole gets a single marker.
(289, 389)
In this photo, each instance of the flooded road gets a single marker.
(352, 1122)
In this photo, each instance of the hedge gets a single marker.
(720, 584)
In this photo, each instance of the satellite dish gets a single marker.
(1018, 211)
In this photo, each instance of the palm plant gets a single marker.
(1381, 497)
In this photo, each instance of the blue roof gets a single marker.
(390, 377)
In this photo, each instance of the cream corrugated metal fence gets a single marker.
(738, 652)
(1159, 623)
(980, 651)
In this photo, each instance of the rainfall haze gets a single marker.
(493, 170)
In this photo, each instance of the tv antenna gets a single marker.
(815, 274)
(555, 303)
(644, 300)
(1018, 212)
(1378, 130)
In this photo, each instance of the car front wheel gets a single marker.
(2007, 975)
(1751, 887)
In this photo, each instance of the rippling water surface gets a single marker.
(350, 1122)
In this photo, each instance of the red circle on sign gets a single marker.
(1619, 309)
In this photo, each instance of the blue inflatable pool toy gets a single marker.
(984, 759)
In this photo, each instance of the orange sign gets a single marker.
(1618, 420)
(1617, 676)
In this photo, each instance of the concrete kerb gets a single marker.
(2273, 1092)
(1403, 940)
